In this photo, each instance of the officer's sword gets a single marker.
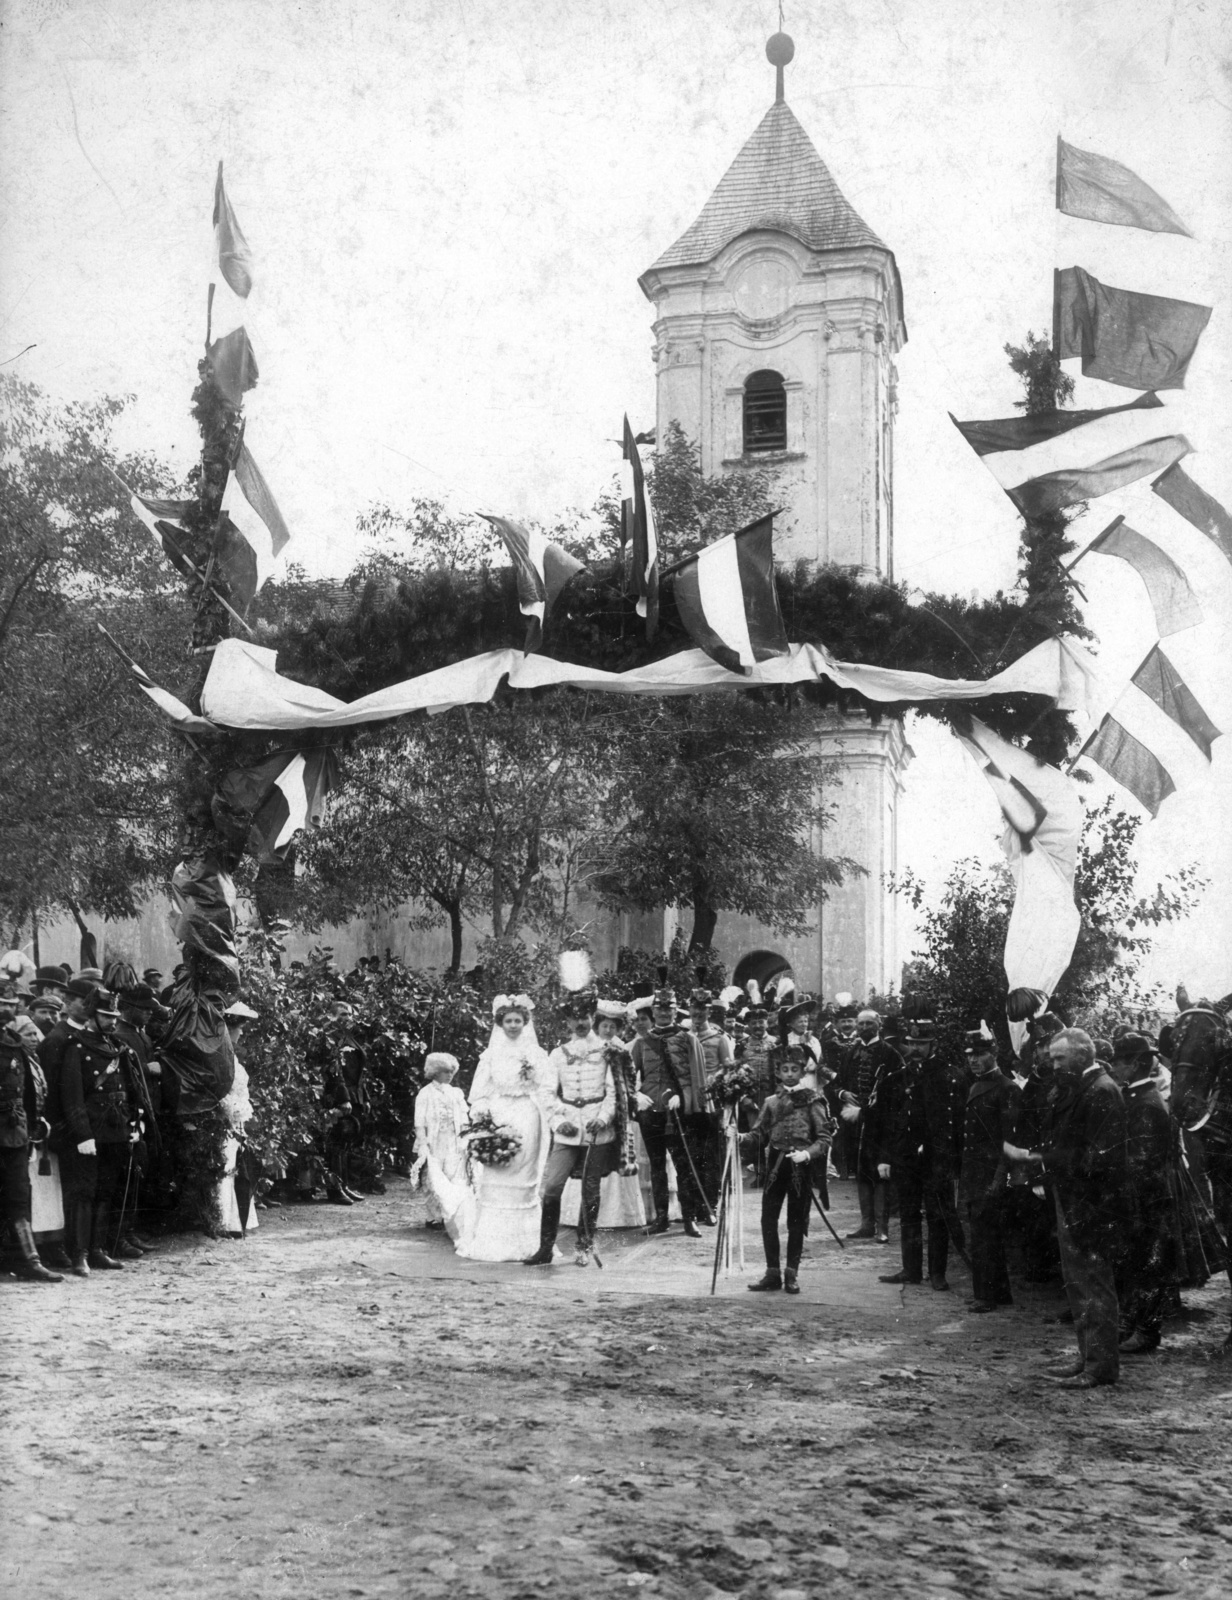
(688, 1155)
(590, 1243)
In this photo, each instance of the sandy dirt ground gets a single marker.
(340, 1407)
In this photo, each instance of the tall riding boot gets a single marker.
(864, 1190)
(78, 1218)
(31, 1267)
(549, 1221)
(99, 1259)
(881, 1211)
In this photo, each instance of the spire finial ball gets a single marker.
(780, 49)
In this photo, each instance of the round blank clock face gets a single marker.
(763, 289)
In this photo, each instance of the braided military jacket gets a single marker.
(582, 1091)
(96, 1092)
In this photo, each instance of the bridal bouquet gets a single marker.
(489, 1143)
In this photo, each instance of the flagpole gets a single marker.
(1070, 565)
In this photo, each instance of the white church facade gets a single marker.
(778, 317)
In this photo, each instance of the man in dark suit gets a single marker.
(1084, 1156)
(918, 1118)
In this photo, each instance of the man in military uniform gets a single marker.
(138, 1005)
(582, 1119)
(988, 1122)
(22, 1095)
(869, 1057)
(94, 1115)
(718, 1054)
(916, 1119)
(672, 1104)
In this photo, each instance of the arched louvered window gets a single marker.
(765, 412)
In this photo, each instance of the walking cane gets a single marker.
(697, 1182)
(124, 1202)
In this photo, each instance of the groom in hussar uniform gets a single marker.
(582, 1118)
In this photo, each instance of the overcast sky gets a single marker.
(450, 204)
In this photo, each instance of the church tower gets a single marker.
(778, 315)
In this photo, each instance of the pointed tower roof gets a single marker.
(778, 182)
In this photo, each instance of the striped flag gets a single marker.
(253, 511)
(1139, 744)
(1201, 510)
(727, 598)
(278, 797)
(1175, 605)
(1060, 458)
(1127, 761)
(164, 519)
(542, 569)
(1102, 190)
(637, 527)
(1159, 680)
(230, 352)
(1043, 816)
(1143, 341)
(235, 560)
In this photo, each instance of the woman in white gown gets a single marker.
(440, 1117)
(511, 1086)
(237, 1108)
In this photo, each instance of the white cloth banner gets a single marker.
(1043, 822)
(244, 689)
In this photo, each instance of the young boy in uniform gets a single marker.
(794, 1131)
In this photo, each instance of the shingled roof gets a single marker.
(777, 182)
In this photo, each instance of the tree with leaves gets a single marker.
(960, 942)
(87, 819)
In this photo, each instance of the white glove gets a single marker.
(644, 1102)
(883, 1169)
(87, 1147)
(674, 1103)
(850, 1113)
(799, 1157)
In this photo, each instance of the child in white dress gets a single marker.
(440, 1117)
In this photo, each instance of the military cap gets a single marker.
(103, 1003)
(981, 1038)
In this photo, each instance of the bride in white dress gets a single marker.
(510, 1085)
